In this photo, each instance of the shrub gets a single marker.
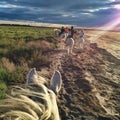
(22, 47)
(8, 65)
(5, 76)
(41, 61)
(12, 78)
(18, 75)
(3, 89)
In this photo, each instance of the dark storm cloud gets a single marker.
(79, 12)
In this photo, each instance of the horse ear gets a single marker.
(56, 82)
(32, 77)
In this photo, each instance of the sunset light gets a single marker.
(59, 60)
(105, 28)
(117, 6)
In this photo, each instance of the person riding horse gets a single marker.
(62, 30)
(81, 33)
(81, 39)
(72, 31)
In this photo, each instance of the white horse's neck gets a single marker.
(54, 108)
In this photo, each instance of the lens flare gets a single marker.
(117, 6)
(112, 25)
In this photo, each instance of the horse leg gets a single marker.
(71, 50)
(68, 50)
(64, 43)
(83, 41)
(63, 46)
(79, 44)
(71, 47)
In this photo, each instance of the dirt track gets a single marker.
(91, 80)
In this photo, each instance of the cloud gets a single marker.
(81, 12)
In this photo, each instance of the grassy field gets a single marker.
(23, 47)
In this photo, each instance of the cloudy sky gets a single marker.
(77, 12)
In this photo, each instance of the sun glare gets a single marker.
(117, 6)
(109, 26)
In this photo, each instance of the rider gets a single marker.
(81, 33)
(62, 30)
(81, 39)
(69, 33)
(66, 30)
(72, 31)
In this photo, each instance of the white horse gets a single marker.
(63, 36)
(69, 42)
(80, 42)
(57, 32)
(34, 101)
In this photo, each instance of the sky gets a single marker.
(86, 13)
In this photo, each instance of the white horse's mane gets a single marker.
(34, 101)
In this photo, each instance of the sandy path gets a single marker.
(90, 89)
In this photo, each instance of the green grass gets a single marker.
(14, 40)
(3, 76)
(21, 32)
(3, 89)
(12, 35)
(23, 47)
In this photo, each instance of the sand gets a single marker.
(91, 78)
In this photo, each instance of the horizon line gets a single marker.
(55, 25)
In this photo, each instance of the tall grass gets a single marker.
(3, 89)
(21, 48)
(18, 42)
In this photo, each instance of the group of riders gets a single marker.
(70, 39)
(70, 32)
